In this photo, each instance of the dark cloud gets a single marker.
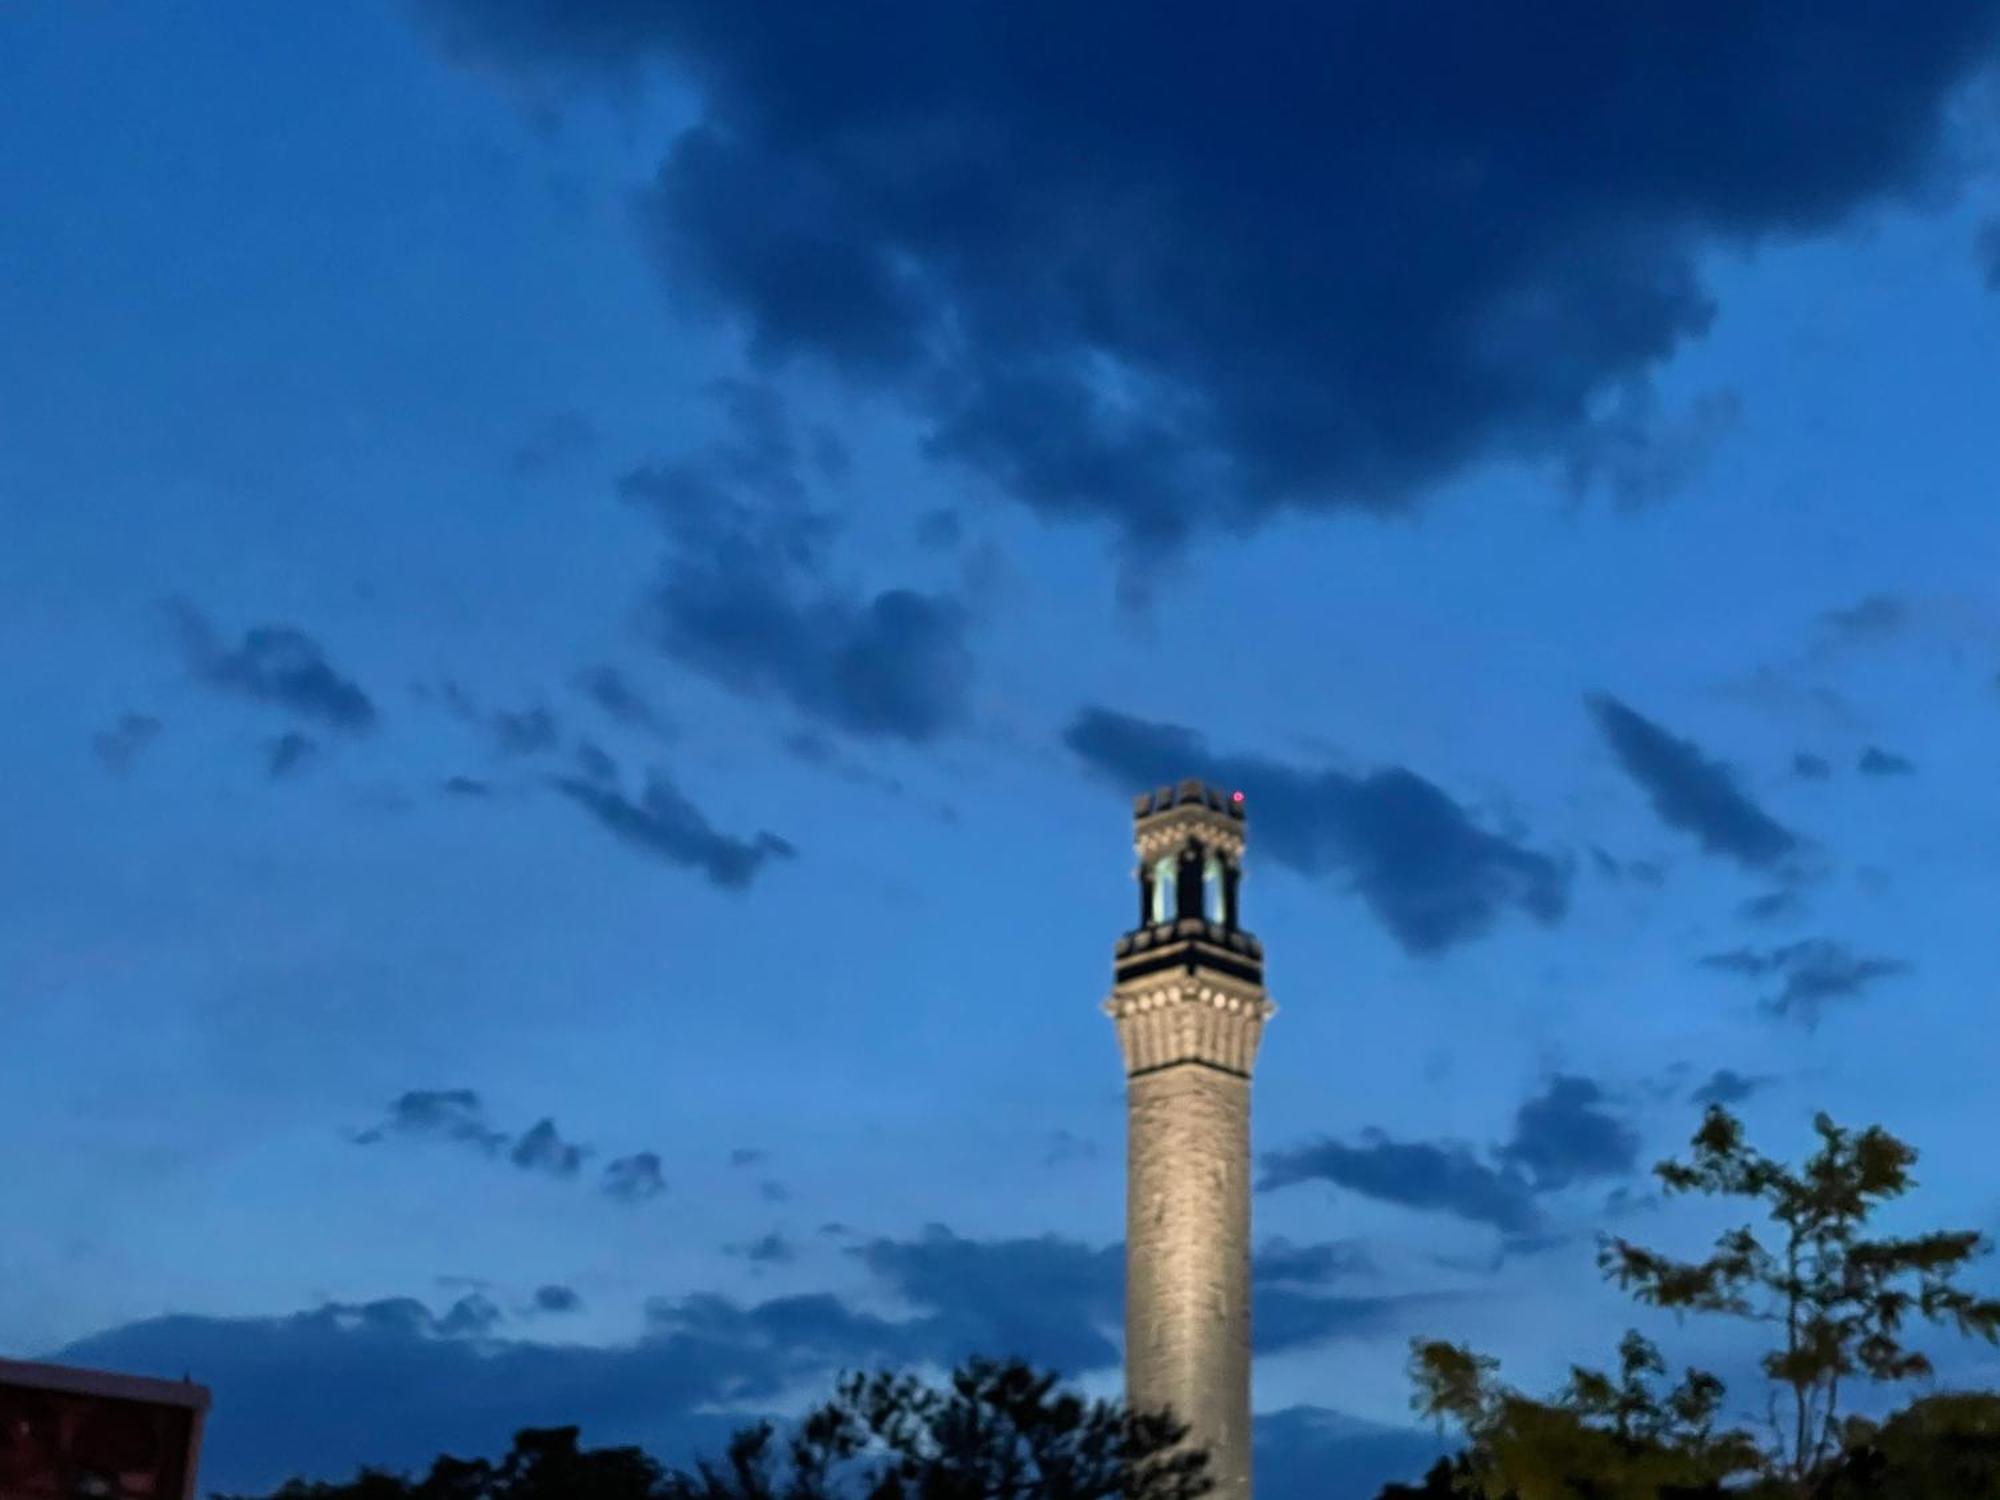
(555, 1298)
(1050, 1299)
(614, 693)
(1428, 1175)
(278, 665)
(1809, 767)
(664, 824)
(745, 597)
(1279, 1262)
(466, 786)
(390, 1384)
(564, 436)
(393, 1384)
(512, 732)
(543, 1149)
(747, 1156)
(1151, 263)
(1566, 1134)
(1772, 906)
(1689, 791)
(1811, 972)
(635, 1178)
(1427, 871)
(772, 1249)
(1532, 1242)
(773, 1191)
(530, 731)
(1561, 1137)
(1875, 761)
(470, 1317)
(1726, 1086)
(1058, 1301)
(288, 753)
(458, 1116)
(1281, 1318)
(441, 1114)
(125, 740)
(1875, 618)
(595, 763)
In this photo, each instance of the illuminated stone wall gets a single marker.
(1187, 1290)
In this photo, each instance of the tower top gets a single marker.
(1190, 843)
(1163, 820)
(1193, 792)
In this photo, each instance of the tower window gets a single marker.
(1212, 894)
(1164, 872)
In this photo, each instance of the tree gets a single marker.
(1447, 1479)
(1604, 1437)
(1944, 1447)
(544, 1464)
(1838, 1300)
(999, 1431)
(996, 1431)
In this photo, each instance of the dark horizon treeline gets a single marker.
(1836, 1301)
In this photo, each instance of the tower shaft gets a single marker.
(1190, 1008)
(1187, 1260)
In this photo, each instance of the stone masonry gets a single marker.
(1190, 1007)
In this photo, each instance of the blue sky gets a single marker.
(616, 566)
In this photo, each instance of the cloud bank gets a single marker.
(1154, 264)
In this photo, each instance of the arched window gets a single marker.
(1212, 905)
(1163, 889)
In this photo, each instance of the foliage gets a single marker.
(1605, 1437)
(996, 1431)
(544, 1464)
(1838, 1300)
(1944, 1447)
(1447, 1479)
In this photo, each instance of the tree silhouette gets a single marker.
(1944, 1447)
(1604, 1437)
(997, 1430)
(545, 1463)
(1838, 1300)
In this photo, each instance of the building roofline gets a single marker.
(77, 1382)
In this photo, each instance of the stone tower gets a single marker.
(1189, 1002)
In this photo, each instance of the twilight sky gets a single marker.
(585, 583)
